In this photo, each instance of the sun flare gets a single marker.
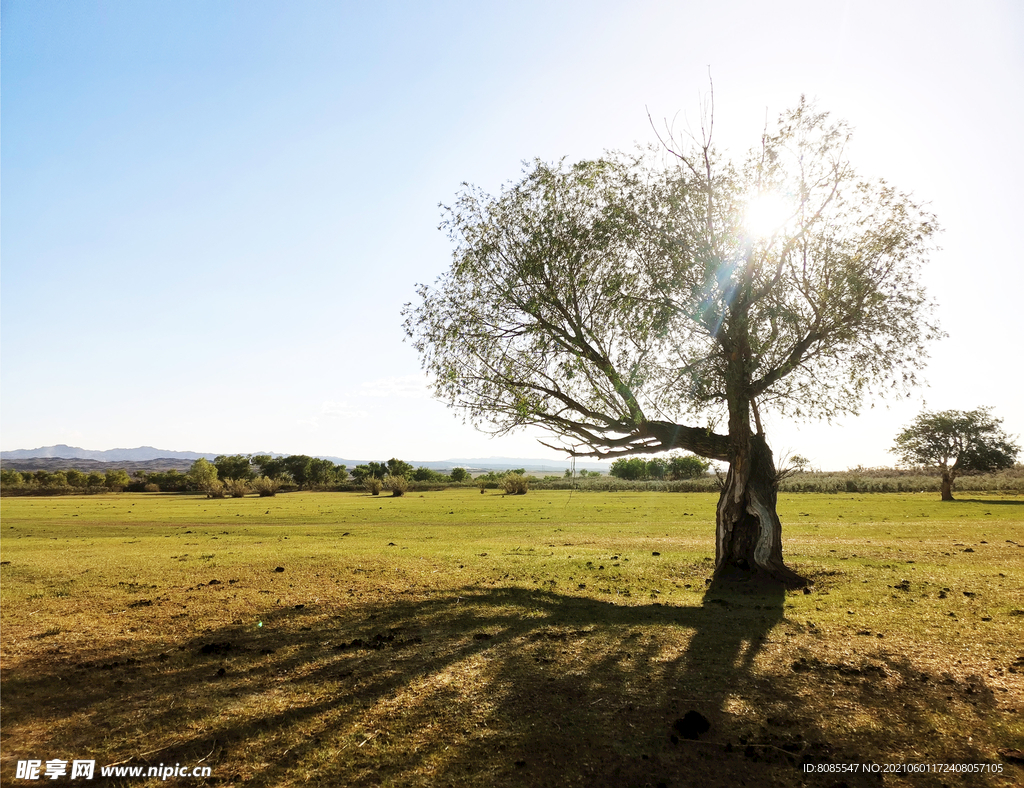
(766, 213)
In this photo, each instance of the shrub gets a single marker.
(215, 489)
(397, 484)
(151, 487)
(237, 488)
(515, 484)
(373, 485)
(266, 487)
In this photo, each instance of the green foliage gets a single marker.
(459, 475)
(266, 487)
(272, 467)
(320, 473)
(630, 468)
(298, 466)
(515, 483)
(236, 488)
(76, 478)
(373, 485)
(657, 468)
(117, 480)
(593, 298)
(397, 467)
(234, 466)
(202, 475)
(216, 489)
(686, 466)
(956, 442)
(362, 472)
(11, 478)
(961, 441)
(398, 485)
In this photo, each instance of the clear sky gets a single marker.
(212, 213)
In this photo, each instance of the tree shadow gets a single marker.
(990, 501)
(475, 686)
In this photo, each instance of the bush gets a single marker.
(397, 484)
(215, 489)
(373, 485)
(515, 484)
(237, 488)
(151, 487)
(266, 487)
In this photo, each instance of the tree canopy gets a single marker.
(638, 304)
(956, 442)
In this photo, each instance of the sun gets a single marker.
(766, 213)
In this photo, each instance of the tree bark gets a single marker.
(947, 486)
(748, 529)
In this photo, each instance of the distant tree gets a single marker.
(320, 472)
(425, 474)
(11, 477)
(169, 481)
(629, 468)
(202, 475)
(117, 480)
(271, 467)
(687, 466)
(234, 466)
(957, 443)
(799, 463)
(657, 468)
(94, 480)
(341, 473)
(57, 479)
(459, 475)
(298, 467)
(399, 468)
(76, 478)
(362, 472)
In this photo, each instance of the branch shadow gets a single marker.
(474, 686)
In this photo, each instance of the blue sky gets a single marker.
(213, 212)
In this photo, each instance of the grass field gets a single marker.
(557, 638)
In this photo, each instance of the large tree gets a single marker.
(957, 442)
(634, 305)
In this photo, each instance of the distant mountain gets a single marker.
(141, 454)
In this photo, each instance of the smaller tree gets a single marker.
(11, 477)
(956, 442)
(76, 478)
(202, 475)
(398, 467)
(687, 466)
(117, 480)
(234, 466)
(459, 475)
(629, 468)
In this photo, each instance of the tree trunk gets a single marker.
(947, 486)
(748, 532)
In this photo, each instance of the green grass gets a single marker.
(467, 639)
